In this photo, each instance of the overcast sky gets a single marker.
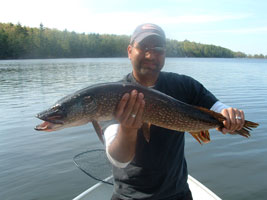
(240, 25)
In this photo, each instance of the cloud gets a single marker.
(196, 19)
(257, 30)
(123, 22)
(246, 30)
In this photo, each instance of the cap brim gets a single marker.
(148, 35)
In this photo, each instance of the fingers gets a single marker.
(227, 122)
(235, 120)
(242, 121)
(121, 106)
(138, 119)
(130, 110)
(223, 130)
(129, 107)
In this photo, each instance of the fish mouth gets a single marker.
(51, 123)
(45, 126)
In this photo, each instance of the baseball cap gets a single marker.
(146, 30)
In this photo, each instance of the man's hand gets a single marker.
(130, 110)
(235, 120)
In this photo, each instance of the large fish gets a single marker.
(98, 103)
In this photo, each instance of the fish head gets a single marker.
(68, 112)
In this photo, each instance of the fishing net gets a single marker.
(95, 164)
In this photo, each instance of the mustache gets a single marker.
(150, 62)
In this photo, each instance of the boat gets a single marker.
(104, 188)
(103, 191)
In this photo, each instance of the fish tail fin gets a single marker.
(250, 124)
(243, 132)
(246, 128)
(202, 136)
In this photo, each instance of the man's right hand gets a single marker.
(130, 110)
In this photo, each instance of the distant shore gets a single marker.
(21, 42)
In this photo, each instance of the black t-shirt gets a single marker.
(159, 169)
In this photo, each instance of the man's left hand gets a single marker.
(235, 120)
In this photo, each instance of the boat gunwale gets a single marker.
(190, 179)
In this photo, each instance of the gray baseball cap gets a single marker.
(146, 30)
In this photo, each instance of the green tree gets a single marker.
(18, 41)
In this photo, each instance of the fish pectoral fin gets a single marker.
(146, 131)
(98, 130)
(202, 136)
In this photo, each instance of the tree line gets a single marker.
(21, 42)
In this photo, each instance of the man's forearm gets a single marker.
(122, 148)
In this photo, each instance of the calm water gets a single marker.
(39, 166)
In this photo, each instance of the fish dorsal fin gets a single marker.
(146, 131)
(98, 130)
(216, 115)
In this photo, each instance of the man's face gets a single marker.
(148, 57)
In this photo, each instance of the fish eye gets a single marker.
(56, 107)
(87, 99)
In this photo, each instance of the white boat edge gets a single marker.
(200, 191)
(86, 193)
(102, 191)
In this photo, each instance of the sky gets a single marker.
(239, 25)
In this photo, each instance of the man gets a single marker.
(156, 169)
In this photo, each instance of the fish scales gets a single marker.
(160, 109)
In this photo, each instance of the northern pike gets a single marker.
(98, 103)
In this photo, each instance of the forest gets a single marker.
(21, 42)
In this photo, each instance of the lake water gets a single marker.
(39, 166)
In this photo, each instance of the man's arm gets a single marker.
(129, 114)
